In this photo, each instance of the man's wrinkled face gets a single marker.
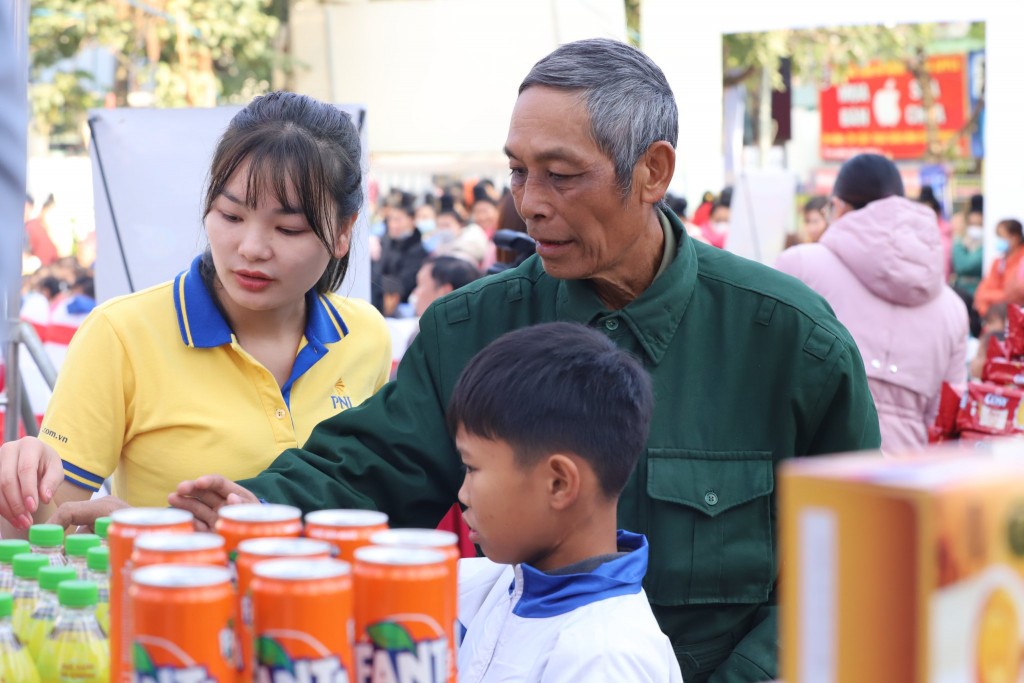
(565, 189)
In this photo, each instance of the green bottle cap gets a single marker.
(46, 535)
(100, 526)
(51, 577)
(77, 593)
(76, 545)
(11, 547)
(27, 565)
(97, 559)
(6, 605)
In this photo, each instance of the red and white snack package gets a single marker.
(1003, 371)
(945, 427)
(1014, 331)
(990, 409)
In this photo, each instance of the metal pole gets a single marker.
(14, 145)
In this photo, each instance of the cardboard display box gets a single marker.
(903, 570)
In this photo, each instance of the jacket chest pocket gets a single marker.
(710, 526)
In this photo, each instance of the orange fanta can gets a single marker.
(250, 552)
(239, 522)
(164, 548)
(182, 616)
(447, 543)
(345, 529)
(303, 620)
(400, 607)
(125, 525)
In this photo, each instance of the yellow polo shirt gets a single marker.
(156, 390)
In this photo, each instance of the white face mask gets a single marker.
(720, 226)
(975, 232)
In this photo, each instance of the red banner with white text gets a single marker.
(879, 109)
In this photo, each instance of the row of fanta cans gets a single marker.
(352, 601)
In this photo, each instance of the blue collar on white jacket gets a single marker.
(545, 595)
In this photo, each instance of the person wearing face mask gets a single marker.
(1003, 282)
(717, 229)
(968, 258)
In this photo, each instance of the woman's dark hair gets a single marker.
(1012, 227)
(866, 178)
(816, 203)
(290, 138)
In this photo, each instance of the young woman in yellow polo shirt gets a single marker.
(239, 356)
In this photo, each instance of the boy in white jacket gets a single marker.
(549, 421)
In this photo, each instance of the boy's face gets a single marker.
(506, 505)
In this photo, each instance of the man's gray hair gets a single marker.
(630, 103)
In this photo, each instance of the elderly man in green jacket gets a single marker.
(749, 366)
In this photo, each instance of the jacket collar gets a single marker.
(542, 595)
(653, 316)
(202, 325)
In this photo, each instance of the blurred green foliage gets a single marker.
(168, 53)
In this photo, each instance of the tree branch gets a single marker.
(736, 79)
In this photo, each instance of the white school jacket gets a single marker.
(521, 624)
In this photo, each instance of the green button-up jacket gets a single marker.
(749, 367)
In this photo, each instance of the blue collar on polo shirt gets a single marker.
(548, 595)
(203, 326)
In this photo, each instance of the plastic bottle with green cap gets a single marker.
(15, 662)
(100, 527)
(45, 614)
(26, 589)
(98, 560)
(48, 539)
(75, 547)
(8, 549)
(77, 649)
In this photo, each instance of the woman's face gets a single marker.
(814, 224)
(1011, 239)
(266, 257)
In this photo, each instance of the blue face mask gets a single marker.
(1001, 245)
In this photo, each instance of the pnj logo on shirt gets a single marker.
(340, 400)
(392, 655)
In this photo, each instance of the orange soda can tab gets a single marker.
(447, 543)
(125, 525)
(303, 621)
(400, 609)
(345, 529)
(164, 548)
(239, 522)
(250, 552)
(182, 616)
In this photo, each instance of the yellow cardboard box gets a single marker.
(902, 571)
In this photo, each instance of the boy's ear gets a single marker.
(564, 480)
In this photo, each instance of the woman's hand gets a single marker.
(30, 474)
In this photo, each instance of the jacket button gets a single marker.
(893, 369)
(711, 498)
(611, 324)
(876, 364)
(280, 413)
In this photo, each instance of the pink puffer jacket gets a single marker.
(882, 270)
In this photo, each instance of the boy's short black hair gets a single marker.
(558, 387)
